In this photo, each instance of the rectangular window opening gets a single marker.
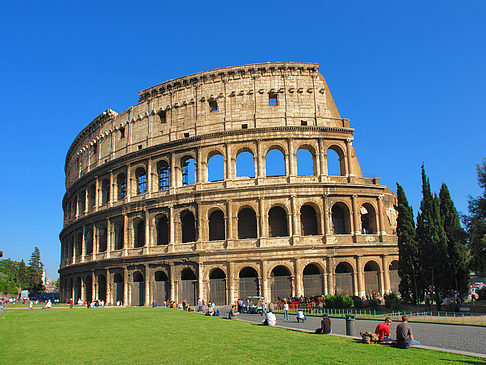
(213, 105)
(272, 99)
(139, 147)
(163, 116)
(186, 135)
(122, 133)
(303, 122)
(244, 126)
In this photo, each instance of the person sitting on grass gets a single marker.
(232, 313)
(325, 325)
(300, 316)
(383, 330)
(404, 334)
(270, 319)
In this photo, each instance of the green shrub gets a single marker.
(392, 301)
(357, 302)
(373, 303)
(338, 301)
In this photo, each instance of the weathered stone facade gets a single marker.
(136, 228)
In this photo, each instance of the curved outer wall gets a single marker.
(135, 230)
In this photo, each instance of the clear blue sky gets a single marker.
(410, 75)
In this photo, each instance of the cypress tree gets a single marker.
(458, 251)
(36, 269)
(408, 263)
(476, 223)
(432, 240)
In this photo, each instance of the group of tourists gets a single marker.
(404, 334)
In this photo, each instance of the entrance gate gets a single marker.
(281, 283)
(138, 290)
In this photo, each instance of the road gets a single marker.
(458, 337)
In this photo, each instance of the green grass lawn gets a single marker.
(160, 335)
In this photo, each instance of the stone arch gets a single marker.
(313, 280)
(102, 237)
(216, 225)
(341, 219)
(188, 286)
(372, 277)
(139, 233)
(215, 166)
(77, 289)
(188, 170)
(368, 219)
(336, 161)
(101, 295)
(89, 241)
(163, 173)
(281, 283)
(277, 222)
(247, 223)
(79, 243)
(306, 161)
(161, 287)
(119, 229)
(188, 226)
(162, 229)
(394, 277)
(88, 285)
(217, 287)
(105, 191)
(138, 289)
(119, 287)
(248, 283)
(121, 186)
(275, 161)
(245, 163)
(309, 220)
(141, 176)
(344, 278)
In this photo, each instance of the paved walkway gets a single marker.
(447, 336)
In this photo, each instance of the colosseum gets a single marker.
(236, 182)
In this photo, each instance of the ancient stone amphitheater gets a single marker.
(237, 182)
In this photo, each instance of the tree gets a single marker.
(408, 263)
(457, 249)
(36, 271)
(432, 240)
(476, 222)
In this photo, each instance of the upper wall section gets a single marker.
(222, 100)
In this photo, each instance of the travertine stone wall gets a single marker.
(112, 231)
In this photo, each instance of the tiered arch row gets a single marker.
(224, 283)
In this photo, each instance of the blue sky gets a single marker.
(410, 75)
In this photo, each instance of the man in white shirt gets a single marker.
(270, 320)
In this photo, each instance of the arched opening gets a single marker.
(82, 202)
(216, 168)
(141, 176)
(119, 287)
(105, 191)
(247, 223)
(188, 226)
(138, 290)
(102, 287)
(313, 281)
(275, 163)
(91, 198)
(119, 235)
(188, 286)
(188, 170)
(308, 221)
(305, 163)
(368, 219)
(216, 226)
(372, 277)
(248, 283)
(340, 219)
(121, 186)
(335, 161)
(394, 277)
(77, 289)
(245, 164)
(88, 288)
(139, 226)
(164, 175)
(344, 279)
(217, 287)
(162, 226)
(277, 221)
(103, 238)
(281, 287)
(89, 241)
(161, 287)
(79, 244)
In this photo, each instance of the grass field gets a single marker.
(160, 335)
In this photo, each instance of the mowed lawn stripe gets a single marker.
(161, 335)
